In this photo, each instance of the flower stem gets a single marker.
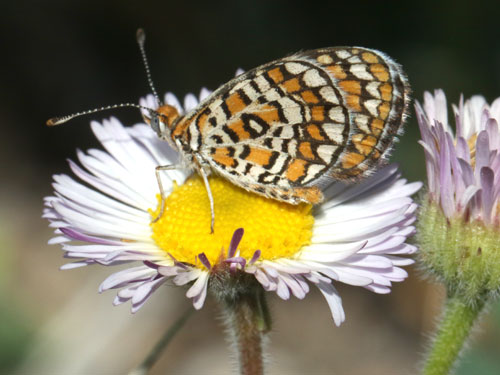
(160, 346)
(249, 321)
(454, 328)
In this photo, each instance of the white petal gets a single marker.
(187, 276)
(380, 178)
(204, 93)
(199, 290)
(330, 252)
(282, 290)
(172, 100)
(334, 302)
(118, 279)
(190, 102)
(145, 290)
(142, 295)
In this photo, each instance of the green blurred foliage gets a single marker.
(15, 335)
(482, 359)
(15, 325)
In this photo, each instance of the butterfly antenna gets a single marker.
(141, 39)
(61, 120)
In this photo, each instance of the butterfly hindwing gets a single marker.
(283, 128)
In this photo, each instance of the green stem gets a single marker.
(160, 346)
(454, 329)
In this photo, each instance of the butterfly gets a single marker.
(287, 128)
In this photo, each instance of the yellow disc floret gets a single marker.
(275, 228)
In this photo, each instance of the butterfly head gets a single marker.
(163, 119)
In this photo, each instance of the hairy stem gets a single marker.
(454, 329)
(249, 321)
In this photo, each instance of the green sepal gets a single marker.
(462, 253)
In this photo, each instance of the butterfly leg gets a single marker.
(158, 169)
(203, 174)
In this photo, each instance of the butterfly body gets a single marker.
(285, 128)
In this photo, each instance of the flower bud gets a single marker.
(459, 226)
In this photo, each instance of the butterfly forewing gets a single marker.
(284, 128)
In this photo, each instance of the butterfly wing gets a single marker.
(286, 127)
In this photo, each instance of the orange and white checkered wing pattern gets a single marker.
(286, 127)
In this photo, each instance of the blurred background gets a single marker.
(60, 57)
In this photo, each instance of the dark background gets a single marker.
(60, 57)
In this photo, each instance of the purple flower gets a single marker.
(463, 170)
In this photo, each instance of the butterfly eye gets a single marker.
(156, 123)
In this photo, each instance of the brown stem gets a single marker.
(249, 320)
(249, 338)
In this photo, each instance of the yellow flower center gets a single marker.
(275, 228)
(471, 142)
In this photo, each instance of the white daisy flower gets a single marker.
(356, 236)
